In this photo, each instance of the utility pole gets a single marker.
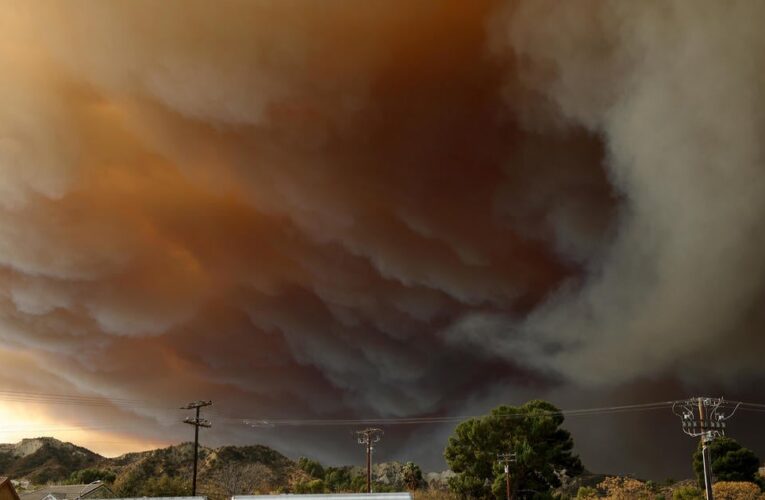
(706, 439)
(368, 437)
(197, 423)
(704, 418)
(505, 459)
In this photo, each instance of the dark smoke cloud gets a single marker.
(325, 209)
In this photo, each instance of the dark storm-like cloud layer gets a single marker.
(319, 209)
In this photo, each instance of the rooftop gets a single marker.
(331, 496)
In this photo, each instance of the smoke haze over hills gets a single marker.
(339, 209)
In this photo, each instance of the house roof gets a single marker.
(6, 483)
(66, 491)
(331, 496)
(155, 498)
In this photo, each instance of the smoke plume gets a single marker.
(342, 209)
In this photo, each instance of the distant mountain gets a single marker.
(222, 472)
(42, 460)
(227, 470)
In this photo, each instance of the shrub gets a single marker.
(687, 493)
(625, 488)
(586, 492)
(313, 486)
(736, 490)
(87, 476)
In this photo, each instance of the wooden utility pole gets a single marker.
(197, 423)
(368, 437)
(505, 459)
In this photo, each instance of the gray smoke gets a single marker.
(335, 210)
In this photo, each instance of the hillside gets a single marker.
(42, 460)
(222, 471)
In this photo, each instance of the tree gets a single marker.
(87, 476)
(730, 461)
(311, 467)
(313, 486)
(165, 486)
(625, 488)
(543, 452)
(338, 479)
(242, 479)
(412, 476)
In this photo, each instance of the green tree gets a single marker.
(338, 479)
(87, 476)
(730, 461)
(533, 431)
(165, 486)
(311, 467)
(312, 486)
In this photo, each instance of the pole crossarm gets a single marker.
(200, 422)
(196, 404)
(369, 436)
(703, 416)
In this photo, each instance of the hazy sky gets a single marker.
(347, 209)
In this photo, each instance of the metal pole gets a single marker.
(707, 471)
(369, 466)
(705, 453)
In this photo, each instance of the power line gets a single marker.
(9, 430)
(76, 400)
(274, 422)
(262, 422)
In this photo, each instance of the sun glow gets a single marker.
(23, 420)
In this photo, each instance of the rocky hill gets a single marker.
(222, 472)
(168, 470)
(42, 460)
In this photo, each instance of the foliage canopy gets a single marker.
(533, 431)
(730, 461)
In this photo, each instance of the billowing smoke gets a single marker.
(309, 209)
(673, 91)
